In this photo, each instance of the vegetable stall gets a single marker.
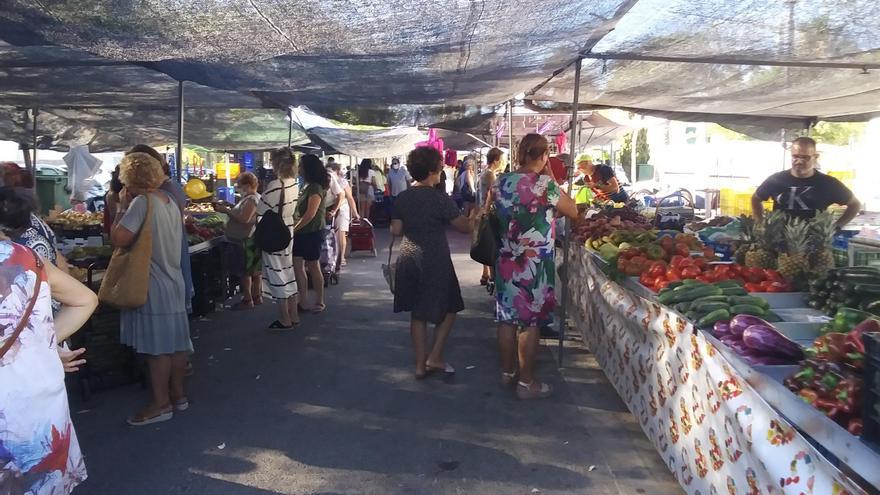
(82, 241)
(749, 373)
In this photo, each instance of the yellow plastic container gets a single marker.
(848, 177)
(220, 170)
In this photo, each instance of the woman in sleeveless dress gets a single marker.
(39, 450)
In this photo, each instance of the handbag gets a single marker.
(22, 323)
(389, 271)
(127, 279)
(484, 249)
(238, 231)
(272, 234)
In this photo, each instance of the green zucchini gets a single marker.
(727, 283)
(713, 317)
(709, 306)
(747, 309)
(753, 300)
(867, 289)
(853, 301)
(734, 291)
(721, 298)
(863, 278)
(691, 281)
(690, 293)
(682, 307)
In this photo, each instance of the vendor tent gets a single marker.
(355, 141)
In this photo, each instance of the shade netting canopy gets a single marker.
(774, 63)
(680, 57)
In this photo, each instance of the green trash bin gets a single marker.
(52, 191)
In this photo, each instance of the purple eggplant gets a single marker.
(721, 329)
(739, 323)
(765, 339)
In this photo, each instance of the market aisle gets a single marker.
(332, 409)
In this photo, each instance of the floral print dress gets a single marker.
(525, 275)
(39, 452)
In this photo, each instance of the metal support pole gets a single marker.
(566, 241)
(289, 127)
(511, 152)
(34, 162)
(179, 151)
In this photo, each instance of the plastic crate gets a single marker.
(871, 394)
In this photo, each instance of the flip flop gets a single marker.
(318, 309)
(181, 404)
(447, 369)
(524, 391)
(277, 326)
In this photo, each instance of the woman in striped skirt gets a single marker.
(279, 279)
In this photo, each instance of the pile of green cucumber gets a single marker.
(705, 304)
(855, 287)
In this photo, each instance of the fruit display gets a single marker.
(74, 220)
(757, 341)
(822, 231)
(851, 287)
(766, 240)
(203, 229)
(832, 379)
(199, 208)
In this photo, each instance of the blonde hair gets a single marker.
(284, 163)
(248, 179)
(141, 171)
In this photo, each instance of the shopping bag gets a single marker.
(127, 279)
(484, 249)
(272, 235)
(389, 271)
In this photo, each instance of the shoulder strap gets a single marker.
(27, 311)
(281, 201)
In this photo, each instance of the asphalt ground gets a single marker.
(332, 408)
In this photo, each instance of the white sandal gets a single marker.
(159, 418)
(524, 391)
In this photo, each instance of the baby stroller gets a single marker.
(330, 255)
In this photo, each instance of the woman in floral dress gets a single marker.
(526, 201)
(39, 452)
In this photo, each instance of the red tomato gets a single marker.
(686, 262)
(701, 263)
(658, 268)
(754, 275)
(735, 270)
(765, 285)
(646, 280)
(667, 242)
(673, 275)
(709, 252)
(753, 287)
(676, 260)
(706, 277)
(661, 283)
(722, 271)
(773, 275)
(682, 249)
(690, 272)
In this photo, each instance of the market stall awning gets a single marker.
(355, 141)
(749, 62)
(116, 129)
(371, 54)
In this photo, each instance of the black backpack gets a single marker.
(272, 234)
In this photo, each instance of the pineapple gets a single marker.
(822, 231)
(767, 235)
(747, 225)
(794, 263)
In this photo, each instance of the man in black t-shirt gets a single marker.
(802, 190)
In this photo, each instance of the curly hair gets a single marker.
(424, 161)
(283, 162)
(141, 171)
(143, 148)
(313, 171)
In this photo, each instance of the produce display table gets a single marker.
(720, 425)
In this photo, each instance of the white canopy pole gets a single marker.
(566, 241)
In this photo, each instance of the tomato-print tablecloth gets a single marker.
(712, 429)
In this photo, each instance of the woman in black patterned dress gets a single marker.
(425, 282)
